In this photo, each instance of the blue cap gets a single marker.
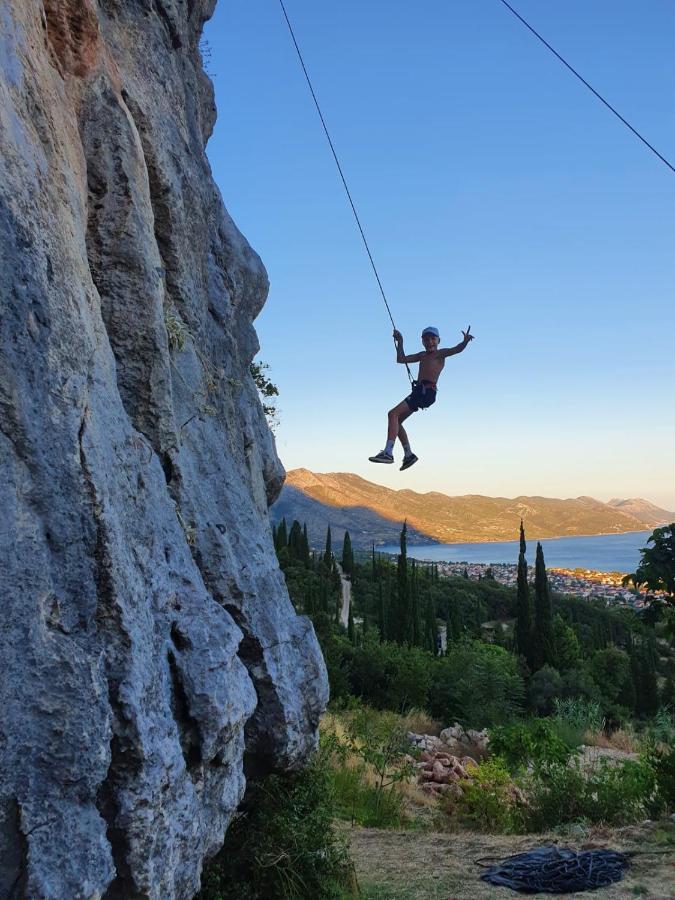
(431, 330)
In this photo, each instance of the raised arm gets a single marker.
(450, 351)
(400, 353)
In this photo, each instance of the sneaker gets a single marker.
(382, 457)
(408, 461)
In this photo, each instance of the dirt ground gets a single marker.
(402, 865)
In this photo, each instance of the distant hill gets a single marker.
(644, 510)
(364, 525)
(372, 512)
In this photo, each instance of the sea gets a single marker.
(599, 553)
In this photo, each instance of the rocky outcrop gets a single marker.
(148, 648)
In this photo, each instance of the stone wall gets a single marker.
(148, 648)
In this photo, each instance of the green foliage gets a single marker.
(477, 684)
(545, 685)
(567, 649)
(283, 845)
(534, 743)
(663, 762)
(524, 636)
(656, 570)
(611, 794)
(611, 671)
(368, 761)
(267, 391)
(389, 676)
(490, 802)
(544, 641)
(574, 716)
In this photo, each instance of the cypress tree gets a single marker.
(544, 642)
(305, 545)
(328, 552)
(295, 541)
(402, 611)
(414, 630)
(454, 621)
(347, 555)
(523, 606)
(282, 535)
(430, 626)
(381, 618)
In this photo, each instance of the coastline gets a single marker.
(554, 537)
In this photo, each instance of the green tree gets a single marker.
(544, 641)
(415, 624)
(400, 624)
(328, 552)
(567, 650)
(305, 545)
(611, 671)
(281, 536)
(643, 671)
(347, 555)
(656, 570)
(524, 644)
(430, 626)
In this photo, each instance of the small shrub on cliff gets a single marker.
(283, 845)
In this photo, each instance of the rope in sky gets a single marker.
(339, 168)
(590, 87)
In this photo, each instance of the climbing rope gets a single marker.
(557, 870)
(339, 168)
(590, 87)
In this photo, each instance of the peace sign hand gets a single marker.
(467, 336)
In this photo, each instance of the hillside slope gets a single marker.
(466, 518)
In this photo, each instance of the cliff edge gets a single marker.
(148, 647)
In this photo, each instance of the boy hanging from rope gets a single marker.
(431, 361)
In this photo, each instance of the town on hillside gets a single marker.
(586, 583)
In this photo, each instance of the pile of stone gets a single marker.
(443, 773)
(453, 740)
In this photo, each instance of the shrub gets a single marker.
(611, 794)
(367, 751)
(491, 802)
(574, 716)
(476, 684)
(534, 743)
(283, 844)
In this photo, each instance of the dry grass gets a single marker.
(409, 865)
(624, 739)
(420, 722)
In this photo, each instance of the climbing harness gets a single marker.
(557, 870)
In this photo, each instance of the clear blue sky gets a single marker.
(495, 191)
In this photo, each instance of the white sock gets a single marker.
(406, 450)
(389, 448)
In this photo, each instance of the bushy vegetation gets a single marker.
(283, 843)
(549, 674)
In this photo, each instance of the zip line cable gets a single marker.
(590, 87)
(339, 168)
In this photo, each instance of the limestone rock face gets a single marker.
(148, 647)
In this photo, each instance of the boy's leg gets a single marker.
(397, 415)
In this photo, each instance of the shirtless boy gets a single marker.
(431, 360)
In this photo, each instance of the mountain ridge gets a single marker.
(463, 518)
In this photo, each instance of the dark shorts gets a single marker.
(421, 397)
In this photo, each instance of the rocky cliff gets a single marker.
(148, 648)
